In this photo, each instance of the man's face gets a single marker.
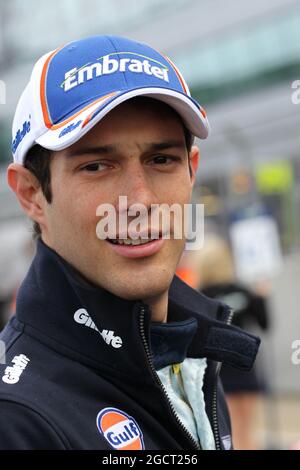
(135, 151)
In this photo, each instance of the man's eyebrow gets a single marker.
(108, 149)
(99, 150)
(165, 145)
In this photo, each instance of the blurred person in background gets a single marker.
(4, 312)
(243, 389)
(16, 253)
(187, 269)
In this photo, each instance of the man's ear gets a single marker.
(194, 158)
(28, 191)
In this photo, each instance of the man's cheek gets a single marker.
(76, 209)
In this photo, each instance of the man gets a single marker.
(108, 350)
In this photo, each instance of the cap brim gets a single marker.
(62, 135)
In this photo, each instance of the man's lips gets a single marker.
(138, 251)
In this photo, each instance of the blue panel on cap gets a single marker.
(103, 64)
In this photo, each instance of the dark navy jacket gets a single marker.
(79, 372)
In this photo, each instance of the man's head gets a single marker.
(139, 147)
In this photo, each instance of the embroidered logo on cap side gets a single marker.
(71, 127)
(21, 133)
(120, 430)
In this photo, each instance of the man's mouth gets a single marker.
(130, 241)
(139, 248)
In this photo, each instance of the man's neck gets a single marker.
(158, 306)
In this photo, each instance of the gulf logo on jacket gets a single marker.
(120, 430)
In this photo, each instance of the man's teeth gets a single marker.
(129, 241)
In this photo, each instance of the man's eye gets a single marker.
(163, 159)
(93, 167)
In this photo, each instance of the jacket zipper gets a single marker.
(157, 380)
(215, 392)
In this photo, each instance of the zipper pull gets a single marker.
(176, 368)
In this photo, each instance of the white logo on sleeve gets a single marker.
(82, 317)
(13, 373)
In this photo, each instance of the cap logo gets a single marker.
(120, 430)
(109, 65)
(21, 133)
(69, 128)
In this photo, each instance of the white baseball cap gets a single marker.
(75, 86)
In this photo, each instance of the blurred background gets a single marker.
(242, 62)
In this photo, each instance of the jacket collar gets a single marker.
(95, 326)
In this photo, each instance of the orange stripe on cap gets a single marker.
(104, 98)
(202, 111)
(61, 124)
(179, 76)
(46, 116)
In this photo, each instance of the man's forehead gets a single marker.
(121, 147)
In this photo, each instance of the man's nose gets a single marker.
(138, 186)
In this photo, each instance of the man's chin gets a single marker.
(135, 291)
